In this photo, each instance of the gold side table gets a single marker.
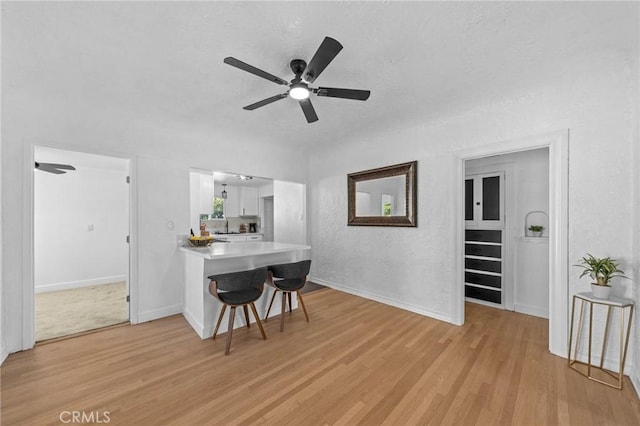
(610, 304)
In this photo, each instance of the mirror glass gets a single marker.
(383, 196)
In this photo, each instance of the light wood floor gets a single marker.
(356, 362)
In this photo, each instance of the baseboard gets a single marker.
(3, 355)
(383, 299)
(636, 385)
(530, 310)
(154, 314)
(45, 288)
(194, 323)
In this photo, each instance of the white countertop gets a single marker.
(228, 250)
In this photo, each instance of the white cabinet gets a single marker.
(484, 200)
(235, 238)
(248, 201)
(241, 201)
(240, 238)
(231, 204)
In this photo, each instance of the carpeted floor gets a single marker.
(60, 313)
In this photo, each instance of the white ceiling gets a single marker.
(421, 60)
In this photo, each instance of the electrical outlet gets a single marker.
(182, 240)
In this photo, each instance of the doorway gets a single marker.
(81, 219)
(506, 264)
(268, 218)
(558, 148)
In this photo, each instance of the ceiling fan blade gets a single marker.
(59, 166)
(265, 102)
(359, 95)
(47, 168)
(323, 56)
(253, 70)
(308, 110)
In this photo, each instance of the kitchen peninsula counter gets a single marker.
(200, 308)
(224, 250)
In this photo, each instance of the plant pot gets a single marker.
(600, 291)
(537, 233)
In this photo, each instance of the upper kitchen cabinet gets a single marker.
(241, 201)
(248, 201)
(232, 203)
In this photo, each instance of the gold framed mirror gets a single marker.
(383, 197)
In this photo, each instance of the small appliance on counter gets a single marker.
(243, 228)
(252, 227)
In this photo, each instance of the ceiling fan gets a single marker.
(304, 75)
(57, 169)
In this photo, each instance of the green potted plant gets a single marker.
(536, 230)
(601, 270)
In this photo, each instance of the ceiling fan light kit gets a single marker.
(299, 87)
(299, 91)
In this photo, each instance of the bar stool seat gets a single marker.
(239, 297)
(238, 289)
(288, 278)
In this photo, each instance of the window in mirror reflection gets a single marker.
(218, 208)
(387, 207)
(381, 197)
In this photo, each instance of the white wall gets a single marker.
(3, 347)
(411, 267)
(634, 272)
(67, 253)
(200, 197)
(289, 211)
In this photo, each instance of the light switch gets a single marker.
(170, 225)
(90, 228)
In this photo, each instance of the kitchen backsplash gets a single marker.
(220, 225)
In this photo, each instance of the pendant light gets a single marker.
(224, 191)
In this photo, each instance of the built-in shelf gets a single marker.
(483, 265)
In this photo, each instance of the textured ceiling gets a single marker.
(162, 61)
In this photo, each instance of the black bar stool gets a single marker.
(238, 289)
(289, 278)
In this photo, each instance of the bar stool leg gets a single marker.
(246, 315)
(232, 315)
(273, 296)
(255, 314)
(284, 307)
(290, 306)
(304, 308)
(224, 308)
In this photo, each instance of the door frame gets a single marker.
(28, 288)
(558, 144)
